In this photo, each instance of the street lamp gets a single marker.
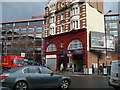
(106, 37)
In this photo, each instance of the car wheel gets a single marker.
(21, 86)
(64, 84)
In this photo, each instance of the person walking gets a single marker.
(93, 71)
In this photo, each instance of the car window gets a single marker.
(33, 70)
(15, 69)
(45, 70)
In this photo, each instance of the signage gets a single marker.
(98, 41)
(69, 54)
(22, 54)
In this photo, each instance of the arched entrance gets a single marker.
(76, 47)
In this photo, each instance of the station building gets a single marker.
(76, 27)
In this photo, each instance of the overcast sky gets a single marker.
(18, 10)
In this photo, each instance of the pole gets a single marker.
(69, 65)
(106, 37)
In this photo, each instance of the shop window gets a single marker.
(75, 44)
(51, 47)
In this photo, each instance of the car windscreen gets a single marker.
(14, 69)
(18, 61)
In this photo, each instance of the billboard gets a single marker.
(98, 41)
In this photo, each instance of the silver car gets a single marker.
(29, 77)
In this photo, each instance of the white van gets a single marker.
(114, 77)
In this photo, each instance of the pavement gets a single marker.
(67, 73)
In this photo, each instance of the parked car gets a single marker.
(30, 77)
(114, 79)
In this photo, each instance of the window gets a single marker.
(31, 30)
(9, 31)
(62, 16)
(3, 31)
(75, 24)
(75, 44)
(9, 37)
(52, 31)
(38, 36)
(115, 33)
(36, 23)
(7, 25)
(62, 28)
(33, 70)
(38, 43)
(38, 29)
(52, 19)
(18, 61)
(37, 50)
(8, 43)
(21, 24)
(74, 11)
(45, 70)
(17, 30)
(113, 25)
(23, 30)
(51, 47)
(30, 36)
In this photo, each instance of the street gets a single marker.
(86, 82)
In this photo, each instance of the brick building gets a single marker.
(74, 27)
(23, 36)
(112, 26)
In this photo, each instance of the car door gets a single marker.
(35, 78)
(50, 79)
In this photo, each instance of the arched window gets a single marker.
(51, 48)
(75, 44)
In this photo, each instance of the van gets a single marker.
(11, 61)
(114, 77)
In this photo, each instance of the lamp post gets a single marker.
(106, 37)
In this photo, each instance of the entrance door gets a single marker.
(51, 62)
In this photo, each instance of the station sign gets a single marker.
(69, 54)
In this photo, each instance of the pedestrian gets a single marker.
(93, 71)
(61, 67)
(71, 68)
(101, 69)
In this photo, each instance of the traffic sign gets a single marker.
(22, 54)
(69, 54)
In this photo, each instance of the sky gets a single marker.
(24, 9)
